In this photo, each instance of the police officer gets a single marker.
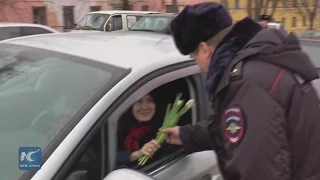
(266, 124)
(264, 20)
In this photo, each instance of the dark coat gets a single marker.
(266, 124)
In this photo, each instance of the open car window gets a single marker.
(128, 122)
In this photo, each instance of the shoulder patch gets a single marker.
(234, 124)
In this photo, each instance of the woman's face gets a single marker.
(144, 109)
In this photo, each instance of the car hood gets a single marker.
(84, 30)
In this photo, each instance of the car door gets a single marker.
(178, 165)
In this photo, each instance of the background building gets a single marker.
(60, 14)
(295, 15)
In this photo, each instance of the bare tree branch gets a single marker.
(257, 7)
(127, 4)
(249, 8)
(308, 9)
(275, 4)
(225, 4)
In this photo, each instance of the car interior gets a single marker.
(90, 159)
(167, 95)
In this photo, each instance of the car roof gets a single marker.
(123, 12)
(11, 24)
(163, 15)
(135, 50)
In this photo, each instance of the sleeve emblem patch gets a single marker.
(233, 124)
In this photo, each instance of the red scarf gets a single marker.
(134, 136)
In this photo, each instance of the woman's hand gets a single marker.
(148, 149)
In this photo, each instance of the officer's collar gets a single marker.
(235, 68)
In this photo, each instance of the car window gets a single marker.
(313, 52)
(40, 94)
(9, 32)
(152, 23)
(138, 126)
(94, 21)
(117, 23)
(90, 160)
(131, 20)
(26, 31)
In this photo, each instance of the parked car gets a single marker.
(64, 94)
(113, 20)
(275, 25)
(11, 30)
(312, 48)
(155, 23)
(309, 34)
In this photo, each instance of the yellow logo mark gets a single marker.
(233, 128)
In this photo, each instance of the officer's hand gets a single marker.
(173, 135)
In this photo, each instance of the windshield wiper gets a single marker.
(149, 30)
(85, 28)
(78, 27)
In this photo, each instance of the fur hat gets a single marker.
(198, 23)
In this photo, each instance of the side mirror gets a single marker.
(78, 175)
(109, 27)
(127, 174)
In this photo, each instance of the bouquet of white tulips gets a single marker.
(171, 119)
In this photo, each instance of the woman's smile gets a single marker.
(144, 109)
(145, 113)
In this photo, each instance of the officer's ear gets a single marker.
(205, 50)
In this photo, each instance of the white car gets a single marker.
(11, 30)
(61, 97)
(113, 20)
(312, 47)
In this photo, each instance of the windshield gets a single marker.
(94, 21)
(313, 53)
(153, 23)
(309, 34)
(40, 93)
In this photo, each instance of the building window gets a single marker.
(304, 21)
(39, 15)
(95, 8)
(294, 22)
(284, 3)
(145, 8)
(283, 22)
(236, 4)
(68, 17)
(169, 9)
(295, 3)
